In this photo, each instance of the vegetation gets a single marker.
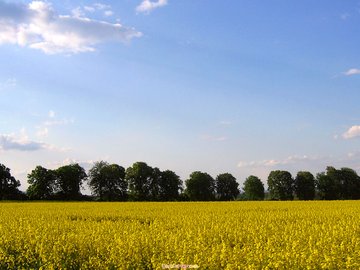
(253, 189)
(141, 182)
(271, 235)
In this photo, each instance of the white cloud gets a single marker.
(22, 142)
(104, 9)
(273, 162)
(352, 71)
(352, 132)
(38, 26)
(147, 6)
(108, 13)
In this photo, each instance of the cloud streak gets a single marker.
(352, 71)
(147, 6)
(273, 162)
(38, 26)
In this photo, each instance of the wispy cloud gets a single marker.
(345, 16)
(8, 83)
(105, 10)
(38, 26)
(352, 71)
(352, 132)
(273, 162)
(213, 138)
(51, 121)
(22, 142)
(146, 6)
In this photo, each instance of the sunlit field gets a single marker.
(214, 235)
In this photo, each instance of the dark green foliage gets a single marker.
(281, 185)
(8, 184)
(226, 187)
(107, 181)
(170, 186)
(69, 179)
(336, 184)
(253, 189)
(42, 184)
(305, 186)
(140, 181)
(200, 187)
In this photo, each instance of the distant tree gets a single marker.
(154, 185)
(42, 184)
(140, 181)
(338, 184)
(305, 185)
(253, 189)
(170, 186)
(107, 182)
(200, 187)
(226, 187)
(281, 185)
(350, 184)
(69, 179)
(8, 184)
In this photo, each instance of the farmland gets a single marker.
(209, 235)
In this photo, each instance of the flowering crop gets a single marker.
(208, 235)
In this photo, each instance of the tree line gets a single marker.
(141, 182)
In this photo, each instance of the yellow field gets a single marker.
(234, 235)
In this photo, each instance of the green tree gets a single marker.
(254, 189)
(107, 182)
(350, 184)
(200, 187)
(305, 185)
(226, 187)
(69, 179)
(281, 185)
(338, 184)
(170, 186)
(42, 183)
(140, 181)
(8, 184)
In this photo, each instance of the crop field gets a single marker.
(212, 235)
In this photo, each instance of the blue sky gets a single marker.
(244, 87)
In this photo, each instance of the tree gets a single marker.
(107, 181)
(42, 183)
(254, 189)
(338, 184)
(305, 185)
(140, 178)
(200, 187)
(350, 184)
(69, 179)
(170, 186)
(281, 185)
(8, 184)
(226, 187)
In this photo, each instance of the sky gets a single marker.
(237, 86)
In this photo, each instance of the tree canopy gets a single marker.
(253, 189)
(226, 187)
(281, 185)
(8, 184)
(200, 187)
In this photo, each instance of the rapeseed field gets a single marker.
(202, 235)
